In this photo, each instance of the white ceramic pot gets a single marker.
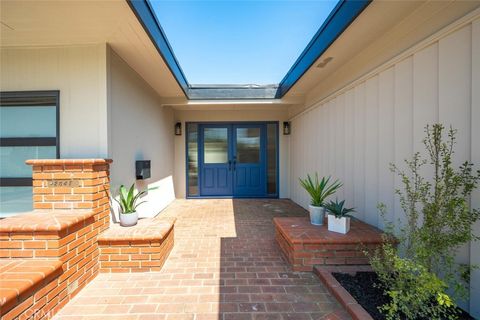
(340, 225)
(128, 219)
(317, 214)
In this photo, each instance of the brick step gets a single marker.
(29, 286)
(143, 247)
(47, 234)
(63, 238)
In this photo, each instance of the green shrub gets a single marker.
(414, 292)
(438, 222)
(439, 219)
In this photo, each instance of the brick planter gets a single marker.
(356, 311)
(50, 254)
(304, 245)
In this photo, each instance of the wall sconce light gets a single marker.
(286, 128)
(178, 129)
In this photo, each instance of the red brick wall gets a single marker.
(71, 198)
(73, 184)
(67, 230)
(302, 257)
(135, 255)
(75, 248)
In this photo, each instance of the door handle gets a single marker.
(229, 165)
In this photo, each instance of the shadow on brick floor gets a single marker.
(256, 282)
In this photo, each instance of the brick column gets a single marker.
(60, 184)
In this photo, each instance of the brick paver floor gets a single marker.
(225, 265)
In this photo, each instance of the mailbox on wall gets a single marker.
(142, 169)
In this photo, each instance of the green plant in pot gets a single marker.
(338, 216)
(318, 190)
(128, 201)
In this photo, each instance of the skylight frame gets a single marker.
(344, 13)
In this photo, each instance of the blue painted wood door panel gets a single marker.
(232, 160)
(249, 160)
(215, 160)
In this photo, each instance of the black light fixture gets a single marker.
(178, 129)
(286, 128)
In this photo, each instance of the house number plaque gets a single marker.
(63, 183)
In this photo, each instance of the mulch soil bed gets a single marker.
(361, 287)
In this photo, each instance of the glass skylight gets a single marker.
(239, 42)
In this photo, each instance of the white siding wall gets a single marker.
(380, 118)
(140, 129)
(475, 151)
(79, 73)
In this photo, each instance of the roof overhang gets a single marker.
(339, 19)
(45, 24)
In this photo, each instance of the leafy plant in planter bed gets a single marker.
(438, 222)
(413, 292)
(319, 191)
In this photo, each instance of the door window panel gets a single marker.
(192, 162)
(215, 141)
(248, 145)
(272, 168)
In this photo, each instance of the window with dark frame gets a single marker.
(29, 129)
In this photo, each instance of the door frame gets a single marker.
(277, 156)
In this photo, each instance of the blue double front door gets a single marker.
(232, 160)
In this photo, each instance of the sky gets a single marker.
(239, 42)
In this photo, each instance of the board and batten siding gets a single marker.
(355, 133)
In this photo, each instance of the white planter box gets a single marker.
(340, 225)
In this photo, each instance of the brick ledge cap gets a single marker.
(146, 230)
(45, 220)
(24, 275)
(306, 233)
(50, 162)
(341, 294)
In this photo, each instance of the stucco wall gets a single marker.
(355, 133)
(272, 114)
(140, 129)
(79, 72)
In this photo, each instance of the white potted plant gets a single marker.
(338, 216)
(318, 191)
(128, 205)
